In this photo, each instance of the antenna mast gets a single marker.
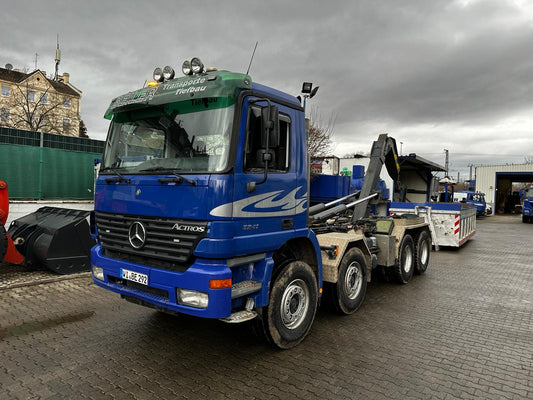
(57, 60)
(251, 59)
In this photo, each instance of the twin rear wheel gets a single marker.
(412, 257)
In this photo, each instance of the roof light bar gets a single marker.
(193, 67)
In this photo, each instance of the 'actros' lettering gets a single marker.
(189, 228)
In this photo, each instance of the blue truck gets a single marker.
(475, 198)
(202, 207)
(527, 206)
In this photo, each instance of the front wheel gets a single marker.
(293, 302)
(404, 268)
(348, 293)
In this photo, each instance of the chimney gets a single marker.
(65, 77)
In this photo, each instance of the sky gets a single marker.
(435, 75)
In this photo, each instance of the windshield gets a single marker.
(149, 141)
(478, 197)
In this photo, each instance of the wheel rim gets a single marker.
(408, 260)
(294, 304)
(353, 280)
(424, 253)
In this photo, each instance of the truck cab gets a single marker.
(202, 195)
(527, 205)
(475, 198)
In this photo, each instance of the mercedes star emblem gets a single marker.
(137, 235)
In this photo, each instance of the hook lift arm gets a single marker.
(384, 151)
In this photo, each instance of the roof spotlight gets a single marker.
(168, 73)
(186, 68)
(197, 66)
(158, 74)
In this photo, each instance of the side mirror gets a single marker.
(269, 127)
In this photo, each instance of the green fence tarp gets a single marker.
(46, 173)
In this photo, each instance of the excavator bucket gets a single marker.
(56, 238)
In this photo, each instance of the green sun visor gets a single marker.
(198, 89)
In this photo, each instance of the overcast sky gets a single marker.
(435, 75)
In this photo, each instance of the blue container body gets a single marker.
(326, 188)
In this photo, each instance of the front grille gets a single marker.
(165, 247)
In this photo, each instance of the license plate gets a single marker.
(134, 276)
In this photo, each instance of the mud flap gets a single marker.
(55, 238)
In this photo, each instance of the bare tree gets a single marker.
(319, 142)
(35, 112)
(83, 130)
(528, 159)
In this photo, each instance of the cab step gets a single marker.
(240, 316)
(244, 288)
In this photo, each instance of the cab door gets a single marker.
(264, 210)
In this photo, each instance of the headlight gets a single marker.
(186, 68)
(98, 273)
(158, 74)
(197, 66)
(168, 73)
(192, 298)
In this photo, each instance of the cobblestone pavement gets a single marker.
(463, 330)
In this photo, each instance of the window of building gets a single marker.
(5, 90)
(66, 125)
(31, 95)
(254, 148)
(66, 102)
(4, 114)
(44, 98)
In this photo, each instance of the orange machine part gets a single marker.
(4, 203)
(12, 255)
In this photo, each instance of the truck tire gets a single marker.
(3, 242)
(525, 219)
(422, 252)
(404, 268)
(288, 317)
(348, 293)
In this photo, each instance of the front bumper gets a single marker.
(162, 284)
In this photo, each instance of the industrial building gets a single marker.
(496, 181)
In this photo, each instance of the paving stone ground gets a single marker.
(464, 330)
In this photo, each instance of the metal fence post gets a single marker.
(41, 162)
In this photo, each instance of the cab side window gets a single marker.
(254, 149)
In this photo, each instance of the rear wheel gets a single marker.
(292, 306)
(422, 251)
(348, 293)
(404, 268)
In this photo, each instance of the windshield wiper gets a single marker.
(119, 178)
(177, 177)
